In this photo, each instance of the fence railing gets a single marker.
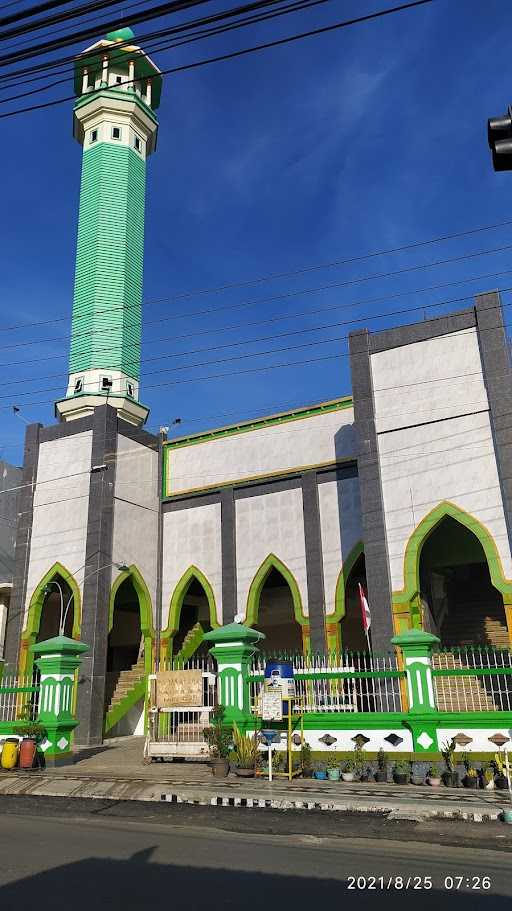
(19, 698)
(473, 680)
(351, 682)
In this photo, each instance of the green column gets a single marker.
(234, 646)
(417, 647)
(57, 660)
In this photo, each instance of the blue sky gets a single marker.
(335, 147)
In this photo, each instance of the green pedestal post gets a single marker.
(233, 648)
(57, 660)
(422, 719)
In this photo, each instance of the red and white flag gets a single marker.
(365, 610)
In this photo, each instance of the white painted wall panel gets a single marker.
(135, 537)
(61, 503)
(269, 450)
(450, 460)
(270, 523)
(428, 381)
(191, 537)
(341, 529)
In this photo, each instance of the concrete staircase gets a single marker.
(473, 623)
(125, 682)
(461, 694)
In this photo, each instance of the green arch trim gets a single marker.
(37, 600)
(425, 528)
(253, 598)
(178, 596)
(341, 584)
(145, 608)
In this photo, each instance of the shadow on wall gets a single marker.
(127, 885)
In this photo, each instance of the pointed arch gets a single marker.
(33, 623)
(341, 584)
(253, 598)
(422, 532)
(178, 596)
(145, 609)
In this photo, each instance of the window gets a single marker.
(116, 132)
(106, 384)
(129, 389)
(137, 143)
(93, 136)
(79, 385)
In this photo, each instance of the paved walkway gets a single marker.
(116, 771)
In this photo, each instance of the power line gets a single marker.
(240, 53)
(273, 276)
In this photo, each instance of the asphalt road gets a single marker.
(69, 856)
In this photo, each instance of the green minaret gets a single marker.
(118, 89)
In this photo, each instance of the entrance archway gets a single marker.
(275, 608)
(44, 613)
(459, 602)
(352, 635)
(454, 580)
(129, 646)
(192, 613)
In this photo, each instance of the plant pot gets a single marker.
(244, 773)
(501, 782)
(307, 773)
(470, 782)
(347, 776)
(451, 779)
(220, 768)
(401, 777)
(320, 775)
(333, 774)
(506, 816)
(434, 782)
(418, 780)
(489, 785)
(381, 776)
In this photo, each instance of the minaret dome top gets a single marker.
(115, 63)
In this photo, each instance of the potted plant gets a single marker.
(348, 769)
(382, 766)
(488, 778)
(245, 753)
(333, 769)
(218, 738)
(433, 775)
(450, 776)
(33, 733)
(501, 780)
(471, 778)
(402, 771)
(320, 774)
(306, 760)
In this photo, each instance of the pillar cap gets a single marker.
(416, 637)
(234, 632)
(62, 645)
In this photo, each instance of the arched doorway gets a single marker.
(352, 634)
(192, 614)
(129, 645)
(56, 596)
(274, 606)
(459, 603)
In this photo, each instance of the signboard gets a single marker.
(175, 689)
(271, 706)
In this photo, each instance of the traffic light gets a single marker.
(499, 134)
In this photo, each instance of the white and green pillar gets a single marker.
(118, 89)
(234, 646)
(422, 718)
(57, 660)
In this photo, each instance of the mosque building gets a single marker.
(405, 485)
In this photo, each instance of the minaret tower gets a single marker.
(118, 90)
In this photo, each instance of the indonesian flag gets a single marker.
(365, 610)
